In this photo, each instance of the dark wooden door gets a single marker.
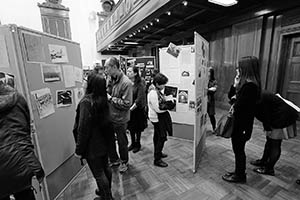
(291, 83)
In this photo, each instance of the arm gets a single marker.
(153, 101)
(141, 97)
(125, 102)
(84, 127)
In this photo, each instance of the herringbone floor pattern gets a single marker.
(144, 181)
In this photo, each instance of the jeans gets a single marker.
(120, 130)
(158, 141)
(26, 194)
(103, 175)
(238, 146)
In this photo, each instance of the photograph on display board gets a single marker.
(34, 48)
(192, 105)
(51, 73)
(173, 50)
(4, 62)
(64, 98)
(44, 102)
(58, 54)
(185, 74)
(183, 96)
(169, 90)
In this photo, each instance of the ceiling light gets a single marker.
(224, 3)
(147, 26)
(263, 12)
(134, 33)
(144, 28)
(157, 20)
(130, 35)
(139, 30)
(109, 46)
(168, 13)
(185, 3)
(133, 43)
(151, 23)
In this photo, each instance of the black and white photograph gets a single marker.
(183, 96)
(51, 73)
(64, 98)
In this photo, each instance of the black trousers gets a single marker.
(103, 175)
(135, 138)
(212, 121)
(272, 152)
(159, 139)
(238, 145)
(26, 194)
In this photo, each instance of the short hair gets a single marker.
(114, 61)
(160, 79)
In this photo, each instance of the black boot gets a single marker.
(131, 147)
(234, 178)
(137, 147)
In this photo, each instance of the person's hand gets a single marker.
(236, 81)
(169, 98)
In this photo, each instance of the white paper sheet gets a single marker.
(69, 76)
(44, 102)
(78, 74)
(58, 54)
(3, 53)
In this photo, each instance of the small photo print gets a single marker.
(51, 73)
(169, 90)
(183, 96)
(64, 98)
(173, 50)
(192, 105)
(58, 54)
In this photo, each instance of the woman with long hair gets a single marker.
(248, 94)
(93, 133)
(211, 90)
(136, 125)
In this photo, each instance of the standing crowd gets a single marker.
(115, 103)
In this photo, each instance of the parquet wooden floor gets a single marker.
(144, 181)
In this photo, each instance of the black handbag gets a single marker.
(164, 104)
(225, 125)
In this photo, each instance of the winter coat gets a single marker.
(211, 98)
(18, 163)
(274, 113)
(91, 136)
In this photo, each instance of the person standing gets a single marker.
(93, 133)
(159, 117)
(120, 101)
(18, 163)
(279, 122)
(136, 125)
(211, 90)
(248, 94)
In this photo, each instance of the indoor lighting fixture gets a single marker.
(139, 30)
(224, 3)
(157, 20)
(144, 28)
(134, 33)
(147, 26)
(263, 12)
(185, 3)
(133, 43)
(151, 23)
(168, 13)
(130, 35)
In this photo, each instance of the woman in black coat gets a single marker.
(211, 90)
(136, 125)
(276, 116)
(93, 133)
(18, 163)
(248, 94)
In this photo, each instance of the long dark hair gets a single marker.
(212, 74)
(249, 71)
(96, 92)
(137, 77)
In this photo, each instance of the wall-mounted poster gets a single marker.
(169, 90)
(78, 73)
(78, 94)
(69, 76)
(58, 54)
(34, 48)
(183, 96)
(64, 98)
(51, 73)
(44, 102)
(3, 53)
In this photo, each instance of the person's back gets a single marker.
(274, 112)
(18, 164)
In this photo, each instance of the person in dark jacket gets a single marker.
(211, 90)
(276, 116)
(136, 125)
(248, 93)
(18, 163)
(93, 133)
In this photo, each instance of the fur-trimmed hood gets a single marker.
(8, 98)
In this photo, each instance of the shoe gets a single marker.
(123, 167)
(263, 170)
(298, 181)
(131, 147)
(136, 149)
(229, 173)
(234, 178)
(160, 163)
(114, 164)
(163, 155)
(258, 163)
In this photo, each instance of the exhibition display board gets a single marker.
(186, 68)
(48, 72)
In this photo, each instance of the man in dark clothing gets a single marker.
(18, 163)
(120, 101)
